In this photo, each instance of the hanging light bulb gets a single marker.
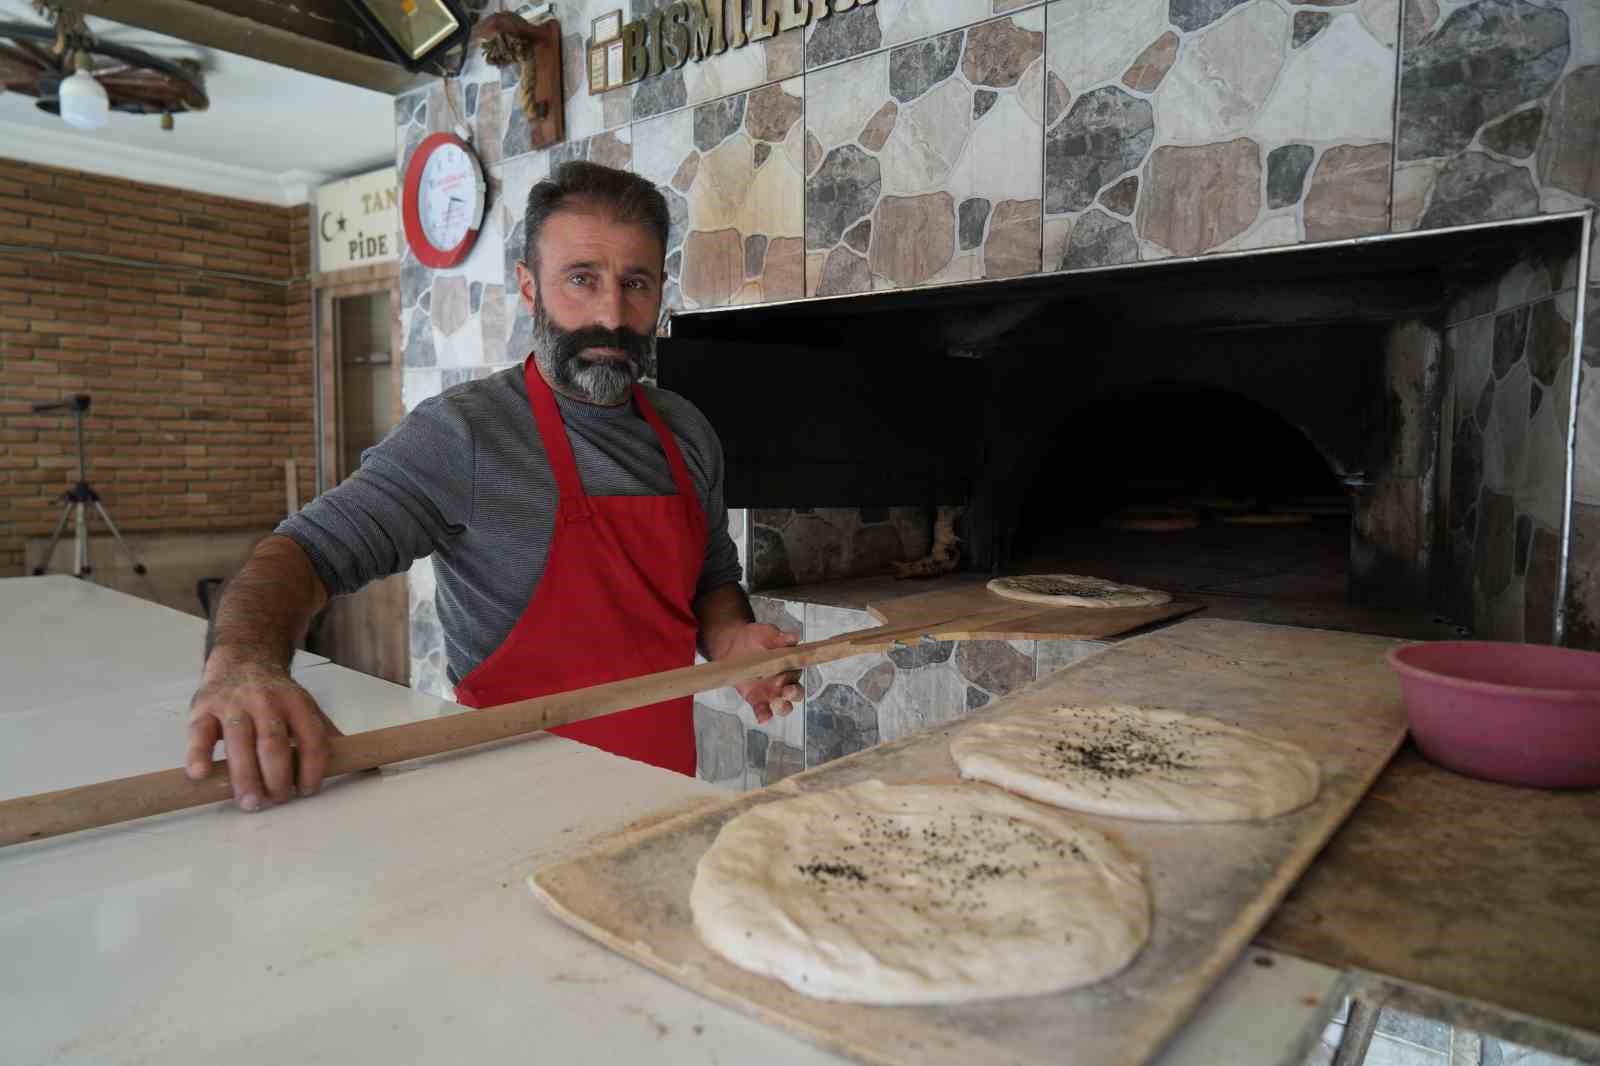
(84, 102)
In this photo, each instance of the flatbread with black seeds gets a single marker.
(1076, 590)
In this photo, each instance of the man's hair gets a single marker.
(627, 198)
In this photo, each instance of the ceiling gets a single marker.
(271, 134)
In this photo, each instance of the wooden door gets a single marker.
(359, 379)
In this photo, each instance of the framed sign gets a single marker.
(605, 67)
(605, 52)
(606, 28)
(614, 63)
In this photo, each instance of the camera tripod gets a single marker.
(76, 500)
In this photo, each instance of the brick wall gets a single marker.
(186, 317)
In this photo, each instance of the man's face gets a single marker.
(595, 302)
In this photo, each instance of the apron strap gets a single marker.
(573, 505)
(669, 445)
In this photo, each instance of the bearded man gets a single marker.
(575, 518)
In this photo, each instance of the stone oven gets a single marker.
(925, 253)
(1369, 385)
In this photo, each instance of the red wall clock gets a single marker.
(442, 205)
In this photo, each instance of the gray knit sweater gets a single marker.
(464, 478)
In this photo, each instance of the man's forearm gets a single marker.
(267, 607)
(721, 613)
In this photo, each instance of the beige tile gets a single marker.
(841, 100)
(733, 71)
(1092, 42)
(1223, 76)
(909, 20)
(1338, 88)
(927, 140)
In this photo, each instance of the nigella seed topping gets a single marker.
(934, 862)
(1126, 749)
(822, 871)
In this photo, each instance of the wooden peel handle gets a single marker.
(69, 810)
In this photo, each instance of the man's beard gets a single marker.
(604, 379)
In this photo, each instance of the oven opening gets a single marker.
(1189, 489)
(1318, 435)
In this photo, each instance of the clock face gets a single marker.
(443, 202)
(448, 196)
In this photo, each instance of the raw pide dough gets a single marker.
(1315, 505)
(1151, 522)
(1131, 762)
(1221, 503)
(1076, 590)
(1267, 518)
(919, 894)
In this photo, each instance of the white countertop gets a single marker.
(386, 920)
(66, 636)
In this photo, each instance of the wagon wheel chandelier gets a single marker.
(83, 79)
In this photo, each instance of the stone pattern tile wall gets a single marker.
(1179, 127)
(1498, 112)
(734, 750)
(806, 545)
(1503, 483)
(1499, 118)
(427, 638)
(921, 160)
(1583, 563)
(734, 71)
(887, 23)
(855, 703)
(949, 139)
(732, 172)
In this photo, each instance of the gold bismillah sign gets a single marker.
(668, 38)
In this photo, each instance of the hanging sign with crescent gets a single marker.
(358, 221)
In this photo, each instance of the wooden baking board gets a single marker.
(1212, 886)
(972, 612)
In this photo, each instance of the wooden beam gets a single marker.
(321, 37)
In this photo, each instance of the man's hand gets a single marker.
(778, 694)
(265, 720)
(247, 699)
(728, 630)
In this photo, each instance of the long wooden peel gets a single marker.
(70, 810)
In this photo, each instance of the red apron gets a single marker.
(614, 600)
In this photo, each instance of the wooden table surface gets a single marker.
(1475, 889)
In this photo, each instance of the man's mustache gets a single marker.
(635, 345)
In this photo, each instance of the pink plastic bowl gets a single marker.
(1525, 714)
